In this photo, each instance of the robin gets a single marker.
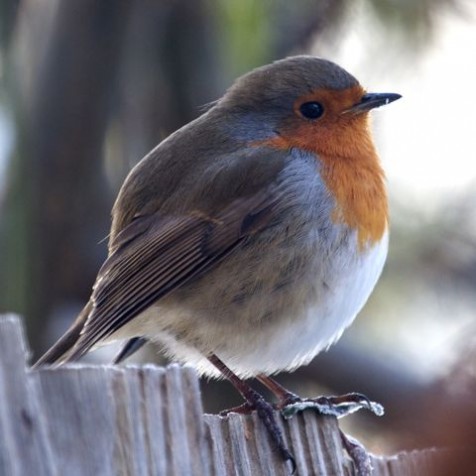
(247, 241)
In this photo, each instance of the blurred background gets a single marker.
(88, 87)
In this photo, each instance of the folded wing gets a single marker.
(154, 255)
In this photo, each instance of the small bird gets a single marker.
(248, 240)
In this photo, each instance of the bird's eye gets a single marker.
(311, 110)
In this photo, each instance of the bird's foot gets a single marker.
(267, 415)
(254, 401)
(358, 454)
(290, 404)
(338, 406)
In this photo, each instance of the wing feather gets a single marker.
(163, 254)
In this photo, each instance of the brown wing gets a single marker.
(155, 255)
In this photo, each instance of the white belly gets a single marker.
(268, 348)
(298, 341)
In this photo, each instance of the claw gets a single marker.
(288, 457)
(358, 454)
(267, 416)
(335, 406)
(338, 407)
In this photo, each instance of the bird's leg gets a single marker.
(284, 396)
(290, 404)
(338, 406)
(255, 401)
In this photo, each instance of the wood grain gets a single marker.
(147, 420)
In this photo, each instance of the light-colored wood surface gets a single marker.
(105, 420)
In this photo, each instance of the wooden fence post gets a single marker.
(145, 420)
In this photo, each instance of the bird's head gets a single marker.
(304, 102)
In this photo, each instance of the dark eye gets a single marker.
(311, 110)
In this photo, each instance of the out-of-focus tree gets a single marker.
(56, 203)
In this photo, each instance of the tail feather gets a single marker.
(131, 347)
(62, 349)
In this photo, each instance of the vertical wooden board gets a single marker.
(175, 423)
(267, 456)
(251, 443)
(121, 459)
(24, 447)
(230, 461)
(429, 460)
(380, 466)
(425, 462)
(329, 438)
(218, 459)
(316, 445)
(153, 407)
(414, 463)
(81, 419)
(238, 445)
(395, 467)
(297, 444)
(324, 462)
(241, 445)
(176, 437)
(130, 452)
(196, 429)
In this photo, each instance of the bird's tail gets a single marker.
(61, 352)
(131, 347)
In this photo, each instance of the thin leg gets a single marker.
(256, 401)
(284, 396)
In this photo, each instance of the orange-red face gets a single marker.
(337, 132)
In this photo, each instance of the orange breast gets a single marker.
(350, 168)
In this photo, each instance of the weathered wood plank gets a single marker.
(80, 418)
(144, 420)
(413, 463)
(24, 446)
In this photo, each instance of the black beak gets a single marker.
(372, 100)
